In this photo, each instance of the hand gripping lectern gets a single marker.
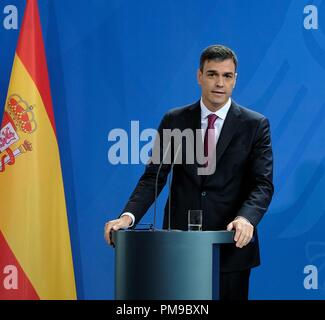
(168, 265)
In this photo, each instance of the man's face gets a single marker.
(217, 81)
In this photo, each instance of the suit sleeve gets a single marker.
(143, 195)
(260, 176)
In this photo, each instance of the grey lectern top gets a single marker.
(168, 265)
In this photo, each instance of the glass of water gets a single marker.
(194, 220)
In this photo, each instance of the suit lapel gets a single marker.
(194, 123)
(230, 127)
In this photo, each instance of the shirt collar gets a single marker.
(221, 113)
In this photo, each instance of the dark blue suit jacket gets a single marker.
(240, 186)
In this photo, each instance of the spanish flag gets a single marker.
(35, 250)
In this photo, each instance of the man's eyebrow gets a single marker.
(225, 73)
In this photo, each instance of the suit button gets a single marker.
(203, 193)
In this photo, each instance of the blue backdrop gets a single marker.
(111, 62)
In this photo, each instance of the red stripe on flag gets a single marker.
(10, 272)
(31, 52)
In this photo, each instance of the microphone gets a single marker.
(156, 184)
(169, 184)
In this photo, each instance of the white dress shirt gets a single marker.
(221, 114)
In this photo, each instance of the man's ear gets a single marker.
(235, 80)
(199, 76)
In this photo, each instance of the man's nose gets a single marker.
(219, 82)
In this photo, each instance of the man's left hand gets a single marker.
(244, 231)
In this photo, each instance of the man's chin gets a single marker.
(217, 103)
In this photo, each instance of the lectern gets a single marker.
(168, 265)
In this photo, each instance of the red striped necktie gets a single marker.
(210, 137)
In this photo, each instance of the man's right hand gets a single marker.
(121, 223)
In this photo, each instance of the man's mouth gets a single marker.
(218, 92)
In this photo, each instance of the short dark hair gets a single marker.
(217, 52)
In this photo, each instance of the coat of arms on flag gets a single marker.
(18, 122)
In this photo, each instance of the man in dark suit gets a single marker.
(236, 193)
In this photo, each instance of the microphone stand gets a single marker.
(156, 185)
(169, 184)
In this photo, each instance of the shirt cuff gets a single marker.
(131, 216)
(244, 219)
